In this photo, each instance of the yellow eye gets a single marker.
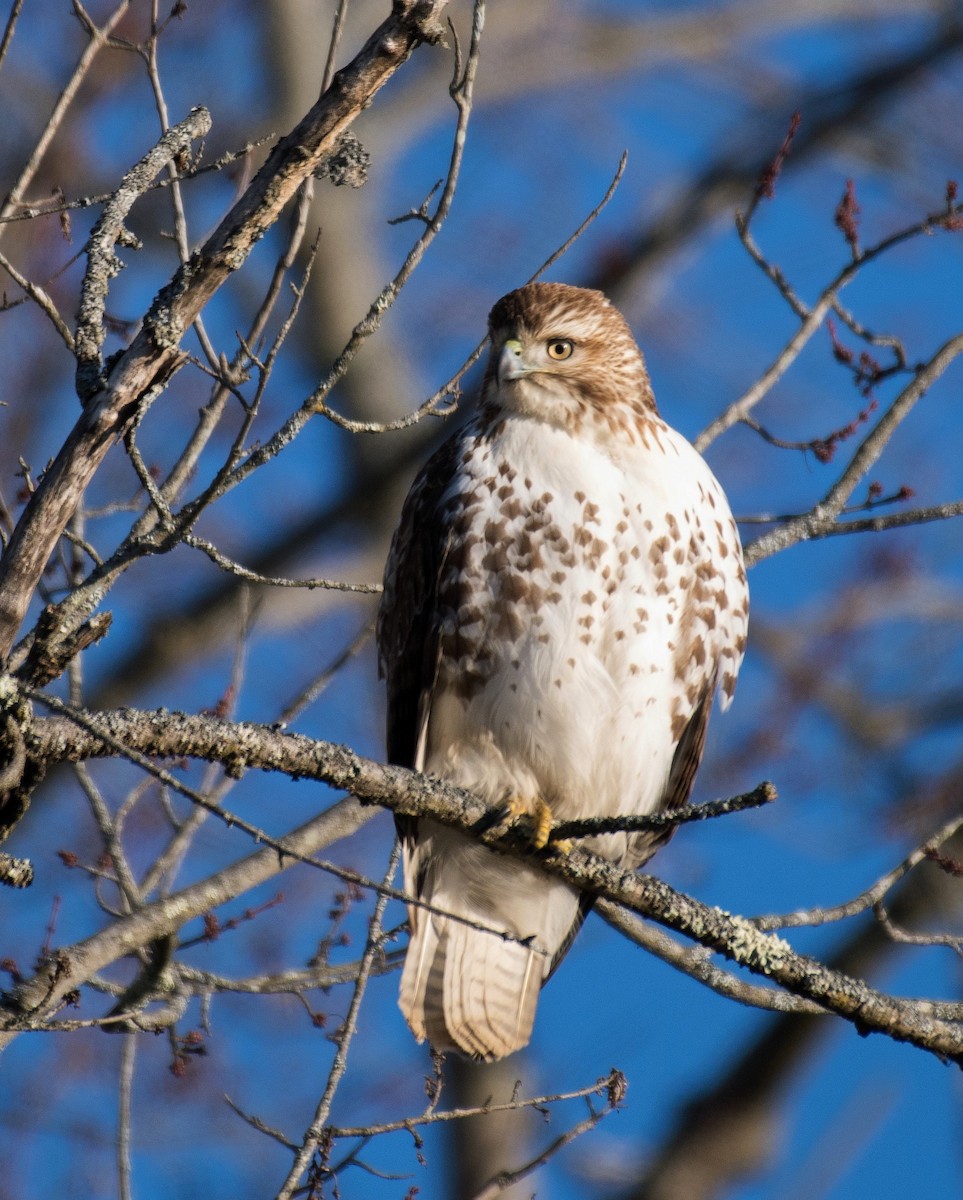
(559, 349)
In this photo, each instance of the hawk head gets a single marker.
(565, 355)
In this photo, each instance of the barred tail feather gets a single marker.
(422, 948)
(470, 991)
(466, 987)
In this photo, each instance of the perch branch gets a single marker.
(411, 794)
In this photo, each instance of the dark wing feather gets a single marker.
(682, 773)
(586, 902)
(407, 629)
(688, 753)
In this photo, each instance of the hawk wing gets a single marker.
(408, 621)
(685, 764)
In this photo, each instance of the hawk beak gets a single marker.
(511, 365)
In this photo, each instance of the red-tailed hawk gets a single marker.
(563, 597)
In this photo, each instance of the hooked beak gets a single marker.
(510, 362)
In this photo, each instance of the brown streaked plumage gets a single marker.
(563, 594)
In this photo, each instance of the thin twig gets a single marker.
(260, 1126)
(98, 39)
(765, 793)
(9, 28)
(294, 982)
(124, 877)
(433, 1117)
(233, 568)
(173, 171)
(596, 211)
(506, 1179)
(333, 42)
(812, 318)
(825, 513)
(42, 299)
(215, 785)
(246, 355)
(307, 696)
(128, 1054)
(60, 206)
(315, 1130)
(953, 941)
(461, 90)
(915, 516)
(869, 897)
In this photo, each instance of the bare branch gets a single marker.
(233, 568)
(461, 90)
(155, 351)
(433, 1117)
(824, 515)
(69, 969)
(505, 1179)
(9, 28)
(914, 516)
(596, 211)
(899, 934)
(812, 318)
(320, 976)
(411, 794)
(261, 1126)
(98, 39)
(125, 1088)
(870, 896)
(696, 962)
(42, 299)
(103, 264)
(765, 793)
(315, 1131)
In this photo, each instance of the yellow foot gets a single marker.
(537, 812)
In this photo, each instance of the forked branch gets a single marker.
(155, 352)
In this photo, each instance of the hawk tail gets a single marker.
(469, 990)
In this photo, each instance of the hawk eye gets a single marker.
(559, 349)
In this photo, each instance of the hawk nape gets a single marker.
(563, 596)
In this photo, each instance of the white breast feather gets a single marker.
(585, 719)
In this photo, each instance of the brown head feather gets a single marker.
(608, 380)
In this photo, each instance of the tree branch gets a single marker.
(154, 353)
(825, 514)
(103, 264)
(410, 794)
(68, 969)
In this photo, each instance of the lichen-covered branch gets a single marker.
(103, 264)
(240, 746)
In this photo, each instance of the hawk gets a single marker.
(563, 597)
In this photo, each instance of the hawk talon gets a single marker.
(521, 811)
(543, 824)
